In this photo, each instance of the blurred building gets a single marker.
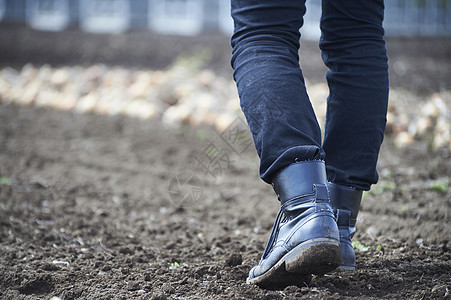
(191, 17)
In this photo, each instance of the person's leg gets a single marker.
(305, 236)
(271, 85)
(353, 48)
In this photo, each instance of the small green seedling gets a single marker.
(383, 187)
(378, 247)
(441, 185)
(404, 207)
(358, 246)
(5, 180)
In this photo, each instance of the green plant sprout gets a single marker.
(358, 246)
(383, 187)
(5, 180)
(441, 185)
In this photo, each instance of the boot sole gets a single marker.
(316, 256)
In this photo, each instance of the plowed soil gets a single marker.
(97, 207)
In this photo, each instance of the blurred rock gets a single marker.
(10, 75)
(184, 94)
(174, 116)
(47, 97)
(442, 134)
(30, 93)
(430, 110)
(140, 88)
(60, 77)
(223, 121)
(28, 73)
(44, 73)
(87, 103)
(403, 139)
(206, 78)
(421, 127)
(141, 109)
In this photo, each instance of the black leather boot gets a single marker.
(346, 202)
(305, 238)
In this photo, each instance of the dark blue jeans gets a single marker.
(273, 95)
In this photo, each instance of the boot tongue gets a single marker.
(298, 180)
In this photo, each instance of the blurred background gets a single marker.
(190, 17)
(123, 149)
(169, 59)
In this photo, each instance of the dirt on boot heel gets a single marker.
(317, 257)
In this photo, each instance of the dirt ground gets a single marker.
(98, 207)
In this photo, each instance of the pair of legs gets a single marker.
(305, 237)
(273, 95)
